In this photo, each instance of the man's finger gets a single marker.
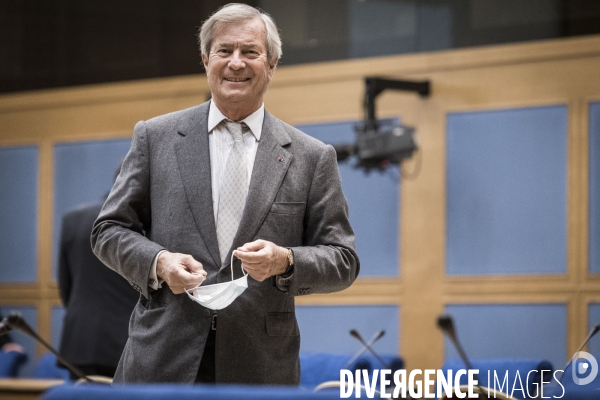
(188, 279)
(192, 264)
(251, 256)
(253, 246)
(251, 267)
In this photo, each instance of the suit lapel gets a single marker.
(193, 157)
(270, 166)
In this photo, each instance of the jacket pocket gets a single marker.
(282, 324)
(295, 208)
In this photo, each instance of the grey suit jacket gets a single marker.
(163, 200)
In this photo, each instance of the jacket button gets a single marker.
(206, 313)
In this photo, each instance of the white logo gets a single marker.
(581, 368)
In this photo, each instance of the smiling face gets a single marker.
(237, 67)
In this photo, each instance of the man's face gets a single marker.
(237, 66)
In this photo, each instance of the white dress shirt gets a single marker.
(220, 143)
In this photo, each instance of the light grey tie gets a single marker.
(234, 189)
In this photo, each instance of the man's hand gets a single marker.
(262, 259)
(180, 271)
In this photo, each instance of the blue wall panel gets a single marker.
(511, 331)
(506, 192)
(594, 207)
(29, 314)
(373, 201)
(593, 320)
(83, 173)
(325, 329)
(18, 214)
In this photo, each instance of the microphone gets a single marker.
(360, 351)
(446, 324)
(356, 335)
(4, 327)
(15, 321)
(590, 335)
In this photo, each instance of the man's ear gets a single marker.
(204, 61)
(273, 64)
(271, 70)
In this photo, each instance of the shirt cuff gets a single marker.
(154, 281)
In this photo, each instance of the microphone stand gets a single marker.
(360, 351)
(15, 321)
(354, 333)
(446, 324)
(592, 333)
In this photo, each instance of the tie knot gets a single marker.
(236, 129)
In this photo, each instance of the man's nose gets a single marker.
(236, 61)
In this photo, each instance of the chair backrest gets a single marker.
(569, 389)
(316, 368)
(46, 368)
(504, 373)
(392, 361)
(11, 363)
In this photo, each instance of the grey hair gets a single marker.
(236, 12)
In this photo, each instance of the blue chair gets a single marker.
(316, 368)
(393, 361)
(515, 371)
(11, 363)
(571, 390)
(47, 369)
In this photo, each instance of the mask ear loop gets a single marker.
(243, 271)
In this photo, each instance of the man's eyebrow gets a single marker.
(243, 45)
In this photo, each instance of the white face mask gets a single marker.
(219, 295)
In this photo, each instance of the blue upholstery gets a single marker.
(568, 377)
(183, 392)
(317, 368)
(572, 392)
(570, 387)
(393, 361)
(47, 369)
(500, 367)
(10, 363)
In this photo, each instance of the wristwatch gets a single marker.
(290, 258)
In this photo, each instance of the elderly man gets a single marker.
(205, 187)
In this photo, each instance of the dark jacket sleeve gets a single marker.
(64, 274)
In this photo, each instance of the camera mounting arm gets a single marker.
(374, 87)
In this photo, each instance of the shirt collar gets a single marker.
(254, 120)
